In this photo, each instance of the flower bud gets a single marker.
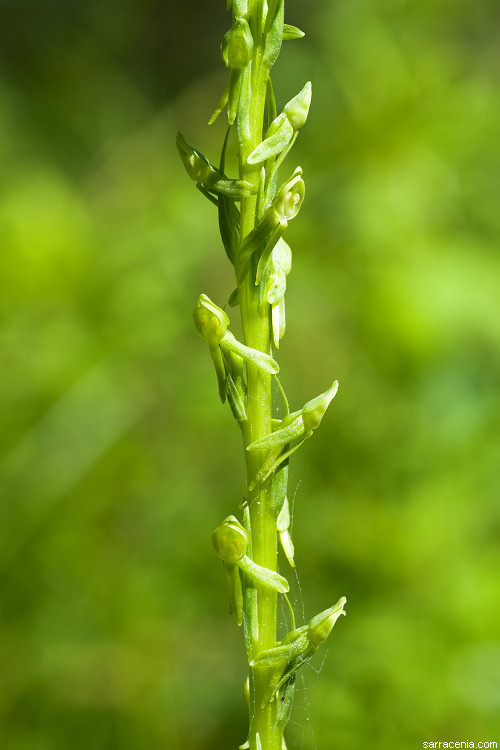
(297, 108)
(291, 32)
(230, 540)
(197, 166)
(210, 321)
(288, 201)
(321, 626)
(237, 45)
(314, 411)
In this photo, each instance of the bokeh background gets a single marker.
(117, 459)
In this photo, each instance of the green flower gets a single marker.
(212, 323)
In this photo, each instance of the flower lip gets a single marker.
(289, 199)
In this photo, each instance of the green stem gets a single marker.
(257, 334)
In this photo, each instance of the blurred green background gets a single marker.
(117, 460)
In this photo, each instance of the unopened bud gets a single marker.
(210, 321)
(230, 540)
(237, 45)
(291, 32)
(321, 626)
(297, 108)
(314, 411)
(197, 166)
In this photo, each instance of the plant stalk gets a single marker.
(257, 334)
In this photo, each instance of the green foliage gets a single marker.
(109, 621)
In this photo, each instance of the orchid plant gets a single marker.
(254, 210)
